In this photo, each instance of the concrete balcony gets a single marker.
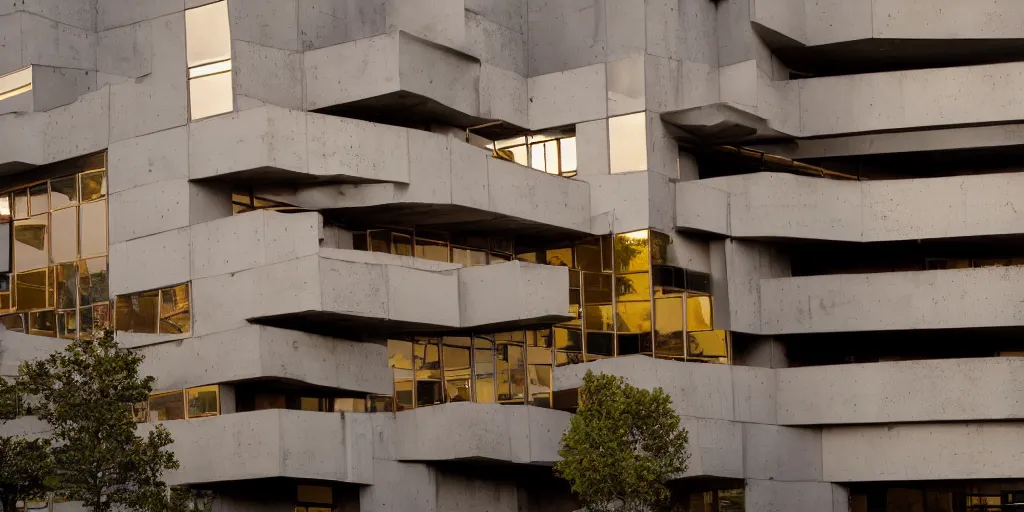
(902, 392)
(272, 444)
(480, 432)
(260, 352)
(936, 299)
(925, 451)
(781, 205)
(39, 138)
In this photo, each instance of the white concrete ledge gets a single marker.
(259, 352)
(470, 431)
(782, 205)
(39, 138)
(902, 392)
(272, 444)
(927, 451)
(935, 299)
(17, 348)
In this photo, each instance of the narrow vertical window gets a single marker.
(208, 52)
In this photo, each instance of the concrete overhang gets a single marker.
(42, 88)
(722, 123)
(17, 348)
(394, 76)
(258, 352)
(276, 443)
(480, 432)
(781, 205)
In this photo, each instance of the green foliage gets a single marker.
(622, 445)
(86, 395)
(25, 464)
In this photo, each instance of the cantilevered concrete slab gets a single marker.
(39, 138)
(47, 88)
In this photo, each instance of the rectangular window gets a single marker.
(164, 311)
(167, 406)
(627, 142)
(15, 83)
(208, 53)
(400, 361)
(483, 370)
(456, 357)
(203, 401)
(427, 366)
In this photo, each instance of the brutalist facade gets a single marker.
(370, 247)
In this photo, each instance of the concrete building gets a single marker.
(370, 247)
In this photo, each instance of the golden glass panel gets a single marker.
(401, 244)
(5, 301)
(551, 157)
(708, 344)
(5, 253)
(540, 384)
(511, 367)
(92, 228)
(483, 370)
(432, 250)
(631, 252)
(380, 240)
(659, 248)
(100, 316)
(13, 323)
(315, 494)
(67, 324)
(21, 204)
(468, 257)
(588, 256)
(668, 327)
(33, 290)
(633, 317)
(67, 285)
(568, 339)
(207, 34)
(42, 323)
(31, 243)
(5, 207)
(597, 288)
(175, 310)
(698, 313)
(167, 406)
(560, 257)
(39, 198)
(313, 404)
(93, 185)
(64, 192)
(567, 151)
(349, 405)
(627, 142)
(64, 235)
(598, 318)
(457, 379)
(541, 338)
(203, 401)
(400, 359)
(600, 344)
(564, 358)
(137, 312)
(210, 95)
(92, 281)
(427, 369)
(529, 257)
(537, 159)
(635, 286)
(574, 279)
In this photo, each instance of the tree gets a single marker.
(622, 445)
(24, 463)
(86, 394)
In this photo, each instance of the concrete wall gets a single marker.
(17, 348)
(938, 299)
(271, 444)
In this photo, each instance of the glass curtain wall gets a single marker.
(53, 252)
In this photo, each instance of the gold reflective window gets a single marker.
(633, 317)
(164, 311)
(210, 95)
(175, 310)
(39, 198)
(627, 142)
(635, 286)
(568, 339)
(208, 54)
(93, 185)
(93, 228)
(600, 344)
(137, 312)
(511, 369)
(401, 244)
(457, 380)
(597, 288)
(33, 289)
(540, 383)
(598, 318)
(668, 327)
(483, 370)
(167, 406)
(63, 192)
(588, 256)
(64, 235)
(67, 286)
(350, 405)
(659, 248)
(203, 401)
(21, 204)
(13, 323)
(468, 257)
(711, 344)
(427, 370)
(560, 257)
(92, 281)
(432, 250)
(698, 313)
(42, 323)
(631, 252)
(400, 360)
(67, 324)
(31, 243)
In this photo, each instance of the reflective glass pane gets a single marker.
(537, 159)
(631, 252)
(588, 256)
(39, 198)
(427, 366)
(511, 373)
(708, 344)
(92, 281)
(731, 500)
(600, 344)
(564, 358)
(560, 257)
(31, 243)
(203, 401)
(167, 406)
(400, 360)
(568, 339)
(67, 324)
(540, 338)
(210, 95)
(597, 288)
(698, 313)
(380, 240)
(315, 494)
(515, 141)
(668, 327)
(432, 250)
(483, 370)
(5, 250)
(42, 323)
(540, 384)
(93, 228)
(551, 157)
(137, 312)
(517, 154)
(21, 204)
(568, 155)
(207, 34)
(349, 405)
(93, 185)
(32, 289)
(5, 207)
(13, 323)
(6, 303)
(627, 142)
(659, 248)
(598, 318)
(401, 244)
(63, 192)
(636, 286)
(175, 311)
(67, 285)
(456, 370)
(64, 235)
(634, 317)
(100, 316)
(468, 257)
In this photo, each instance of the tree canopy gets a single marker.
(25, 463)
(86, 394)
(622, 446)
